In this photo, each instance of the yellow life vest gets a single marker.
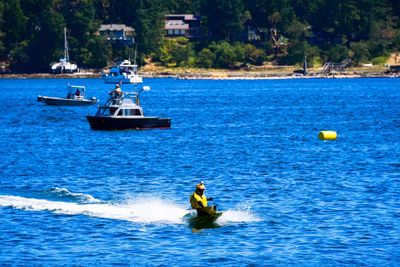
(195, 198)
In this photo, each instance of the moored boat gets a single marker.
(122, 111)
(63, 65)
(75, 97)
(126, 72)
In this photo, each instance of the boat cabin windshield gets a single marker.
(110, 111)
(129, 112)
(76, 92)
(106, 111)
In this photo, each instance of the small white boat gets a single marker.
(126, 72)
(63, 65)
(75, 97)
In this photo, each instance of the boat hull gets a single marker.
(56, 101)
(207, 219)
(123, 123)
(122, 79)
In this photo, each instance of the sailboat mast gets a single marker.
(66, 55)
(134, 61)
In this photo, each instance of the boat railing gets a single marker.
(114, 101)
(116, 98)
(130, 95)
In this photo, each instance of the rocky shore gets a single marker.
(264, 72)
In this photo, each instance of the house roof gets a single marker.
(115, 27)
(185, 17)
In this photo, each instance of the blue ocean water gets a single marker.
(73, 196)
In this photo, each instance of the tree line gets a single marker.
(286, 31)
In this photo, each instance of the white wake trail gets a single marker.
(140, 210)
(146, 211)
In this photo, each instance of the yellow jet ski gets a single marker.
(206, 218)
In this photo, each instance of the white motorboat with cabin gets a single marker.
(123, 111)
(125, 72)
(75, 97)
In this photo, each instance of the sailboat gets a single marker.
(63, 65)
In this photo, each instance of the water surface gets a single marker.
(71, 195)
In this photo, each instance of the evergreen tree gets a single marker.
(149, 26)
(14, 24)
(31, 31)
(81, 24)
(42, 37)
(2, 48)
(182, 6)
(223, 20)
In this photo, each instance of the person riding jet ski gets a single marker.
(198, 201)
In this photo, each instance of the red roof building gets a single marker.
(186, 25)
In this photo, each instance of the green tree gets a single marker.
(297, 33)
(262, 9)
(223, 18)
(360, 52)
(225, 56)
(41, 39)
(254, 55)
(79, 17)
(336, 53)
(176, 52)
(149, 26)
(205, 58)
(102, 8)
(19, 56)
(41, 51)
(100, 53)
(14, 24)
(182, 6)
(2, 48)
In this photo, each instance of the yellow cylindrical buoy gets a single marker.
(327, 135)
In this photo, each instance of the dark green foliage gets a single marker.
(98, 53)
(223, 18)
(19, 56)
(149, 25)
(176, 52)
(225, 55)
(336, 53)
(182, 6)
(360, 52)
(254, 55)
(31, 31)
(48, 28)
(14, 24)
(2, 48)
(205, 58)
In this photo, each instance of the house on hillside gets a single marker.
(186, 25)
(250, 33)
(117, 33)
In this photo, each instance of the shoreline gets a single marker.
(262, 73)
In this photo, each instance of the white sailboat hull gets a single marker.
(64, 67)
